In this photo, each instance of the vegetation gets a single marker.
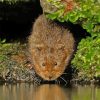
(14, 65)
(87, 14)
(87, 57)
(9, 57)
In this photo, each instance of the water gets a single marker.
(48, 92)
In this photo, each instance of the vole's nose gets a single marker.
(50, 77)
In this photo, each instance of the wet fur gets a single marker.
(51, 47)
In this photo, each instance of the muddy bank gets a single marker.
(15, 65)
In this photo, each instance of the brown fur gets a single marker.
(51, 47)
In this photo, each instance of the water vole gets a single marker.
(51, 47)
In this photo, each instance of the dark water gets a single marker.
(48, 92)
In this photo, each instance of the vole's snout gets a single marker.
(50, 77)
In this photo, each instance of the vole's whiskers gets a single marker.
(65, 73)
(63, 80)
(56, 82)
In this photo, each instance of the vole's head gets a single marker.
(49, 62)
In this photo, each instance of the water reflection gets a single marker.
(48, 92)
(51, 92)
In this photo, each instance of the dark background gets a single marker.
(16, 19)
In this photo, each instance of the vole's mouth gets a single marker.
(49, 78)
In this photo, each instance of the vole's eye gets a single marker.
(43, 64)
(55, 64)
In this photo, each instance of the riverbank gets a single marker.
(15, 67)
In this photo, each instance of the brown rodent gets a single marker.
(51, 47)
